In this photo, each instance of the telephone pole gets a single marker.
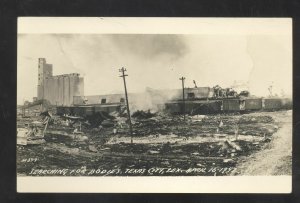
(122, 70)
(183, 99)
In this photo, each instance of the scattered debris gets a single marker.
(92, 148)
(159, 140)
(107, 123)
(233, 145)
(33, 133)
(96, 119)
(142, 114)
(228, 161)
(153, 152)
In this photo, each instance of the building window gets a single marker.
(122, 100)
(103, 101)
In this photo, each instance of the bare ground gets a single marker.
(276, 157)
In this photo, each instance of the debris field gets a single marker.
(205, 145)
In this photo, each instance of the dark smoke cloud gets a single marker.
(151, 46)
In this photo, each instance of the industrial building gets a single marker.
(59, 89)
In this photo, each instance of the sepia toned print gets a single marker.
(152, 105)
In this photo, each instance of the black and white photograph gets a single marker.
(154, 98)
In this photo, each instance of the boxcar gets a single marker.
(231, 105)
(173, 108)
(207, 107)
(272, 104)
(253, 104)
(189, 106)
(194, 107)
(286, 103)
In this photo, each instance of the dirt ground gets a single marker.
(276, 157)
(164, 145)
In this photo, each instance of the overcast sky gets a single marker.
(157, 61)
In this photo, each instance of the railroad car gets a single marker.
(230, 105)
(271, 104)
(253, 104)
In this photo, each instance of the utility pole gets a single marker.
(43, 92)
(270, 89)
(122, 70)
(195, 83)
(183, 99)
(23, 108)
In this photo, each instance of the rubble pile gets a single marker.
(159, 140)
(96, 119)
(256, 119)
(139, 114)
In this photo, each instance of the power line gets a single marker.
(183, 99)
(122, 70)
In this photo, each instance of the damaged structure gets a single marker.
(59, 90)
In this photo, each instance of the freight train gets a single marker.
(193, 107)
(198, 100)
(228, 105)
